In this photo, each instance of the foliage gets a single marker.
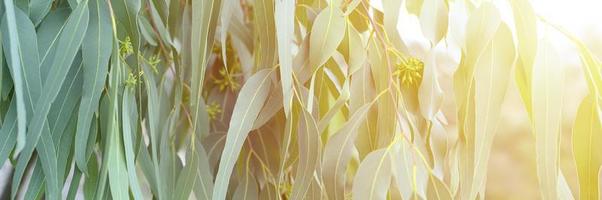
(279, 99)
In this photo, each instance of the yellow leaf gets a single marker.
(492, 73)
(436, 189)
(338, 151)
(326, 34)
(310, 149)
(587, 145)
(357, 50)
(482, 24)
(547, 95)
(373, 176)
(526, 30)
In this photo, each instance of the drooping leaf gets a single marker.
(337, 153)
(547, 99)
(430, 93)
(203, 189)
(250, 99)
(526, 30)
(285, 28)
(373, 176)
(95, 54)
(204, 20)
(491, 76)
(434, 18)
(16, 71)
(586, 142)
(69, 41)
(33, 86)
(326, 34)
(310, 150)
(265, 51)
(437, 189)
(129, 118)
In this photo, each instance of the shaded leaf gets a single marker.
(250, 99)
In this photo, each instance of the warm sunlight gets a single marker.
(300, 99)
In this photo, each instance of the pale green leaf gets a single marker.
(95, 54)
(129, 118)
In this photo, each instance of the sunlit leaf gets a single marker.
(326, 34)
(586, 140)
(547, 99)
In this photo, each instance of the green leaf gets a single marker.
(38, 9)
(204, 20)
(126, 14)
(48, 37)
(69, 43)
(35, 188)
(91, 178)
(187, 178)
(10, 20)
(75, 180)
(154, 129)
(14, 23)
(46, 150)
(129, 115)
(118, 174)
(158, 22)
(203, 189)
(147, 31)
(251, 98)
(61, 118)
(113, 160)
(8, 132)
(95, 53)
